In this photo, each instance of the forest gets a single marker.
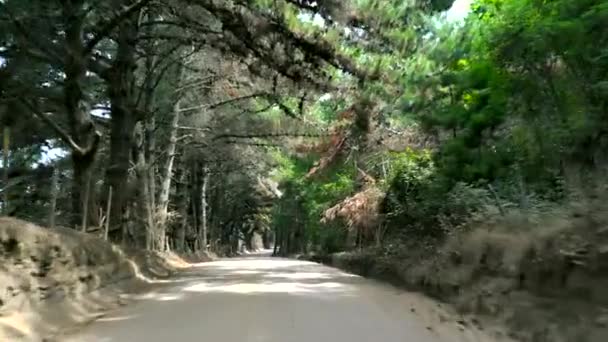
(308, 126)
(458, 148)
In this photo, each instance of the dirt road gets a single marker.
(278, 300)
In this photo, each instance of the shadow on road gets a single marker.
(272, 300)
(258, 275)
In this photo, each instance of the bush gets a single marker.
(331, 239)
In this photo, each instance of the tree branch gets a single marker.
(60, 131)
(99, 66)
(200, 129)
(108, 26)
(226, 102)
(268, 135)
(28, 37)
(251, 143)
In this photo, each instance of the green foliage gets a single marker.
(518, 91)
(510, 101)
(326, 110)
(304, 200)
(408, 169)
(514, 97)
(514, 105)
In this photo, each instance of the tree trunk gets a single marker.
(121, 81)
(83, 169)
(123, 125)
(215, 224)
(203, 229)
(235, 238)
(266, 239)
(5, 164)
(54, 194)
(127, 228)
(108, 211)
(143, 194)
(152, 240)
(148, 107)
(277, 242)
(82, 128)
(182, 204)
(151, 157)
(85, 206)
(196, 200)
(167, 173)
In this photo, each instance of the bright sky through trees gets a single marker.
(459, 9)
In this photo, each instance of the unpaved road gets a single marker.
(278, 300)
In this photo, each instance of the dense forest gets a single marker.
(311, 126)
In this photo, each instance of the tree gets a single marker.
(192, 111)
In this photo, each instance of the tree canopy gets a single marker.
(324, 125)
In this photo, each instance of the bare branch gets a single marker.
(197, 83)
(269, 135)
(226, 102)
(201, 129)
(183, 137)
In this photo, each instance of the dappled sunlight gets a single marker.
(163, 297)
(309, 275)
(258, 276)
(282, 287)
(141, 276)
(246, 272)
(254, 264)
(116, 318)
(299, 275)
(257, 293)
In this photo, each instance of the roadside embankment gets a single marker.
(544, 278)
(55, 279)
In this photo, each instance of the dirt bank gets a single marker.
(52, 280)
(544, 278)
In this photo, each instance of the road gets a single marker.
(277, 300)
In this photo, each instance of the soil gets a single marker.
(543, 280)
(52, 280)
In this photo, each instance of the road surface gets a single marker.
(264, 299)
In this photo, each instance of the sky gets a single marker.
(459, 9)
